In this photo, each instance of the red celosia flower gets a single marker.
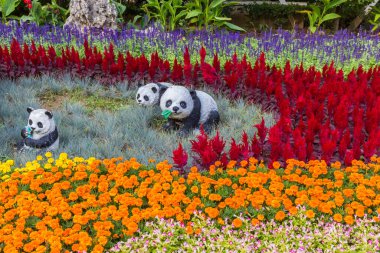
(180, 156)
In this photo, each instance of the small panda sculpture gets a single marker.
(41, 132)
(149, 94)
(188, 108)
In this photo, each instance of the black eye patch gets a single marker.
(138, 96)
(154, 89)
(168, 103)
(183, 104)
(39, 124)
(30, 122)
(146, 98)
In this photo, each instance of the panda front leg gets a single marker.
(189, 124)
(211, 122)
(170, 125)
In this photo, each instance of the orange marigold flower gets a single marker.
(260, 217)
(349, 219)
(212, 212)
(194, 189)
(280, 215)
(255, 222)
(276, 165)
(310, 214)
(237, 223)
(338, 217)
(189, 230)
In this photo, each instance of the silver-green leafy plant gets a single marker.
(319, 15)
(205, 13)
(167, 12)
(376, 18)
(6, 9)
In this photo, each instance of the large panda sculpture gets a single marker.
(149, 94)
(188, 108)
(41, 133)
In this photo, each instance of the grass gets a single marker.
(94, 120)
(91, 100)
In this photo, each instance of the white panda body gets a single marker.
(208, 105)
(44, 133)
(190, 108)
(149, 94)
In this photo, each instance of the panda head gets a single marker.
(148, 95)
(40, 121)
(179, 100)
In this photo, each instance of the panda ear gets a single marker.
(139, 84)
(193, 94)
(29, 109)
(49, 114)
(162, 90)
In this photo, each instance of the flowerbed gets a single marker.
(77, 204)
(349, 50)
(298, 234)
(322, 115)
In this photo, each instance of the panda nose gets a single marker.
(175, 109)
(33, 128)
(139, 100)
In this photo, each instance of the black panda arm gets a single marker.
(192, 121)
(24, 133)
(44, 142)
(169, 125)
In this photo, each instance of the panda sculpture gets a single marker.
(189, 108)
(41, 133)
(149, 94)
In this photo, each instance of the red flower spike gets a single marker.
(234, 151)
(262, 131)
(180, 157)
(218, 144)
(216, 63)
(202, 53)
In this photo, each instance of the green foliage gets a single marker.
(201, 13)
(205, 13)
(376, 18)
(120, 10)
(279, 13)
(316, 17)
(7, 7)
(50, 13)
(167, 12)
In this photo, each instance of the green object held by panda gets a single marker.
(166, 114)
(29, 132)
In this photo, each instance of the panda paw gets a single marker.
(24, 132)
(183, 133)
(167, 127)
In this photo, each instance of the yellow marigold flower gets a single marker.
(39, 158)
(5, 177)
(47, 166)
(48, 154)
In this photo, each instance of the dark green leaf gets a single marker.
(234, 27)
